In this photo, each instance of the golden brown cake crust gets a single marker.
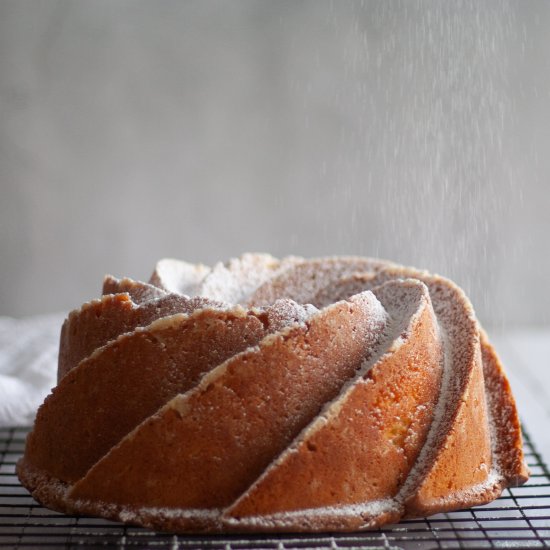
(139, 373)
(100, 321)
(242, 415)
(386, 402)
(369, 438)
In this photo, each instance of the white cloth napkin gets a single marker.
(28, 365)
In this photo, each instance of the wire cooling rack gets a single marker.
(520, 519)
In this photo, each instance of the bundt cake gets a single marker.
(331, 394)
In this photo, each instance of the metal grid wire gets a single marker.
(520, 518)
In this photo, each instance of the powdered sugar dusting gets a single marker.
(286, 312)
(365, 512)
(178, 276)
(130, 515)
(234, 281)
(304, 280)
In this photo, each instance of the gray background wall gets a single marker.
(415, 131)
